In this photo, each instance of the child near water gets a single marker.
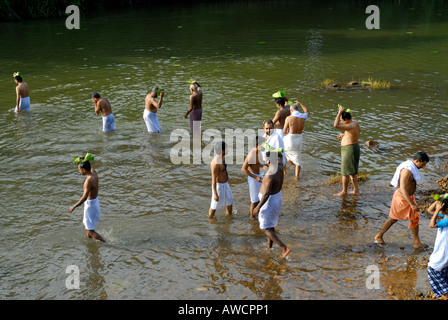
(438, 261)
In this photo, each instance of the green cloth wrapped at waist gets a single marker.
(350, 159)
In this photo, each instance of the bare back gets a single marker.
(273, 180)
(103, 106)
(196, 100)
(23, 90)
(280, 117)
(294, 124)
(91, 185)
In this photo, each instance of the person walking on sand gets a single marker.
(150, 113)
(270, 205)
(195, 108)
(437, 268)
(89, 197)
(221, 193)
(350, 150)
(292, 132)
(22, 94)
(404, 206)
(103, 105)
(253, 168)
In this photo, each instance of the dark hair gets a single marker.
(421, 156)
(96, 95)
(85, 165)
(18, 78)
(220, 147)
(445, 203)
(279, 154)
(280, 101)
(259, 140)
(346, 115)
(268, 121)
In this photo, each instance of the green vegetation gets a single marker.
(337, 178)
(364, 83)
(13, 10)
(375, 84)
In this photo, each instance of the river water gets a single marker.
(154, 212)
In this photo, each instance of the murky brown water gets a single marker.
(154, 213)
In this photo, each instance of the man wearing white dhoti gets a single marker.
(292, 131)
(270, 205)
(92, 209)
(22, 94)
(150, 113)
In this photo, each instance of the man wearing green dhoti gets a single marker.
(350, 150)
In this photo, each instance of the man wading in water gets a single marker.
(350, 150)
(195, 108)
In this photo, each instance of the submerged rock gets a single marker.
(372, 144)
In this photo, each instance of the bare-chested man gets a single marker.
(404, 206)
(150, 113)
(350, 150)
(292, 131)
(195, 108)
(102, 105)
(253, 167)
(270, 205)
(22, 94)
(92, 208)
(281, 115)
(221, 193)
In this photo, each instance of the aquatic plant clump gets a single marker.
(364, 83)
(337, 178)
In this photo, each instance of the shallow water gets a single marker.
(154, 213)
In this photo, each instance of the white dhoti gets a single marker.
(225, 196)
(270, 211)
(151, 120)
(24, 104)
(293, 148)
(254, 187)
(279, 132)
(109, 122)
(92, 213)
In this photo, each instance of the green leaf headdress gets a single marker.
(15, 74)
(87, 157)
(279, 94)
(270, 149)
(440, 197)
(347, 110)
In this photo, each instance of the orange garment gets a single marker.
(400, 209)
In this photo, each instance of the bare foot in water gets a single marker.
(340, 194)
(286, 252)
(356, 193)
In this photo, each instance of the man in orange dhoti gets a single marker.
(404, 206)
